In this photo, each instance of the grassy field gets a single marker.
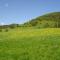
(30, 44)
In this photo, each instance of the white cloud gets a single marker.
(1, 23)
(6, 5)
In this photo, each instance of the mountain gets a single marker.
(50, 20)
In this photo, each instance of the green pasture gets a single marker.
(30, 44)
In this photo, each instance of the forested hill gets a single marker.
(50, 20)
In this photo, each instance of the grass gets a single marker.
(30, 44)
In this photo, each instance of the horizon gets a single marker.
(20, 11)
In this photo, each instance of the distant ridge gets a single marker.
(49, 20)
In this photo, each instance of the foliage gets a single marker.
(6, 30)
(52, 19)
(0, 30)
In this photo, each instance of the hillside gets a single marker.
(49, 20)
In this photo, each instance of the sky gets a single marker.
(20, 11)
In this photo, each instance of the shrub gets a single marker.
(6, 30)
(0, 30)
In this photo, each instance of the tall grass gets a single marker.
(30, 44)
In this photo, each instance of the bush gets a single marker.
(0, 30)
(12, 26)
(6, 30)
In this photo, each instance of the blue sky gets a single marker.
(20, 11)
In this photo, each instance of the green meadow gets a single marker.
(30, 44)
